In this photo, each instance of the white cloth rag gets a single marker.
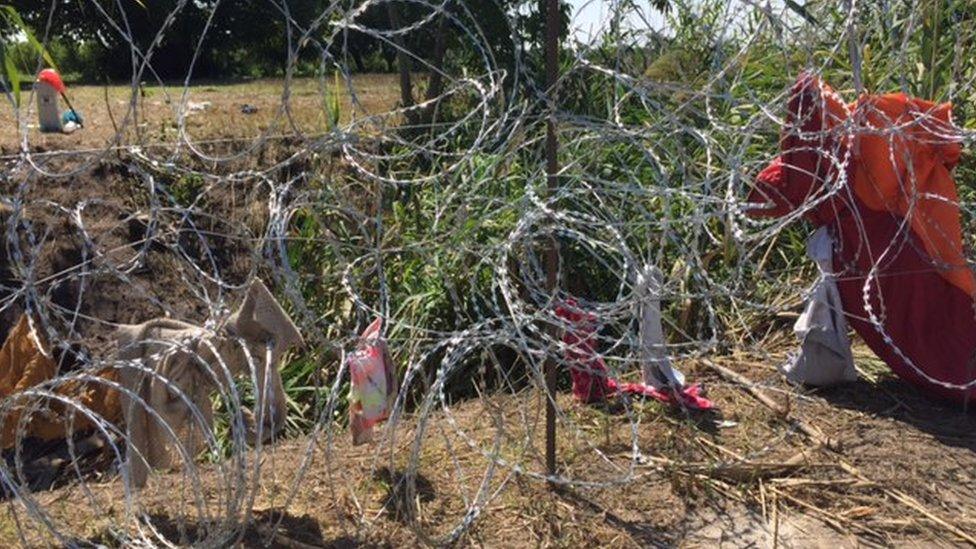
(657, 370)
(825, 351)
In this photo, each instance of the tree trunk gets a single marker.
(403, 60)
(357, 57)
(435, 83)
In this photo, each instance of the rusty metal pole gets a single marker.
(552, 254)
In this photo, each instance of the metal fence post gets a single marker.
(552, 254)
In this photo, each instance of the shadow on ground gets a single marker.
(399, 503)
(269, 528)
(894, 399)
(645, 534)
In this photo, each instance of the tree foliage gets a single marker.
(239, 38)
(106, 38)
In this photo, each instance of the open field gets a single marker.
(108, 111)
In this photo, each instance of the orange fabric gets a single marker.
(905, 168)
(836, 111)
(904, 150)
(97, 397)
(23, 365)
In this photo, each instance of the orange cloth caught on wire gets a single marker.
(877, 174)
(24, 365)
(904, 166)
(904, 150)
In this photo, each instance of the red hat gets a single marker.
(51, 76)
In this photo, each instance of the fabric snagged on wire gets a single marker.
(588, 370)
(25, 364)
(825, 356)
(878, 173)
(656, 371)
(170, 415)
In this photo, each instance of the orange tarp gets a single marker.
(24, 365)
(904, 149)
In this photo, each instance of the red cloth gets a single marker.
(51, 76)
(589, 372)
(899, 155)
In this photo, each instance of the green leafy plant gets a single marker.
(12, 19)
(186, 190)
(331, 103)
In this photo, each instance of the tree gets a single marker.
(233, 44)
(506, 29)
(12, 29)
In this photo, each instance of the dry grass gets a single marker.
(751, 477)
(155, 118)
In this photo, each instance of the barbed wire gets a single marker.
(434, 217)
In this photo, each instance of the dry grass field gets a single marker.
(151, 114)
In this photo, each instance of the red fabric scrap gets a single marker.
(588, 371)
(889, 200)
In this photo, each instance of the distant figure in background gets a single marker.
(47, 88)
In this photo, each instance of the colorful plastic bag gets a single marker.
(373, 385)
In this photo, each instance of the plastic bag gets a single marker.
(373, 385)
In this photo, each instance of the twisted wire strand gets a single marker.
(655, 175)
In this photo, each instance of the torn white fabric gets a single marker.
(825, 351)
(656, 365)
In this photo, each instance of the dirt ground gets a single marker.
(901, 475)
(901, 470)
